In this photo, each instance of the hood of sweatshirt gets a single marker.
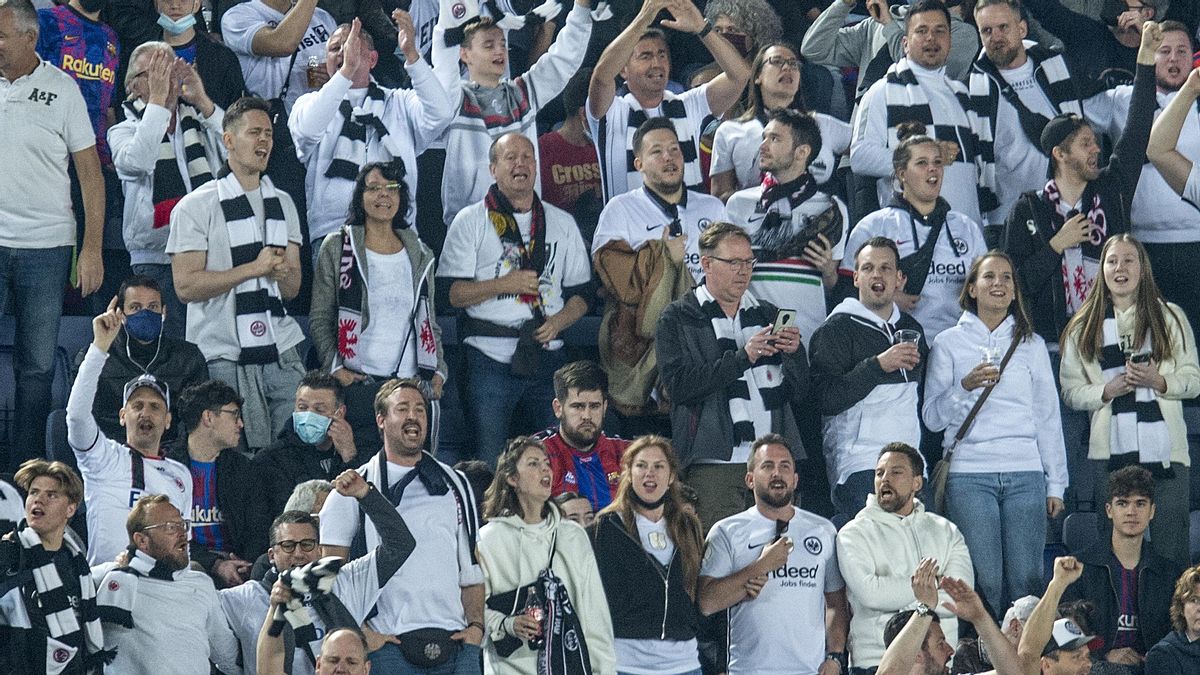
(974, 327)
(873, 511)
(540, 529)
(854, 307)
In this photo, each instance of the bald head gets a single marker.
(343, 652)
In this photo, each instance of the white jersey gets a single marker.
(736, 144)
(1191, 191)
(789, 283)
(636, 218)
(782, 631)
(265, 75)
(107, 468)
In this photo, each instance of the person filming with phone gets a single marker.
(730, 374)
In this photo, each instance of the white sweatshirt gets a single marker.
(1017, 428)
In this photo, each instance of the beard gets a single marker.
(1003, 58)
(764, 494)
(577, 439)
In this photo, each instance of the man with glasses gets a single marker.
(730, 375)
(115, 475)
(158, 614)
(229, 523)
(645, 253)
(355, 590)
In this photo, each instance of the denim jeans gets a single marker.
(697, 671)
(175, 323)
(35, 279)
(1002, 516)
(269, 393)
(851, 496)
(388, 659)
(1076, 428)
(495, 396)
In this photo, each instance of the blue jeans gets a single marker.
(697, 671)
(1076, 429)
(388, 659)
(495, 395)
(851, 496)
(175, 323)
(1002, 516)
(35, 280)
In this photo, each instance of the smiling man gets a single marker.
(520, 269)
(880, 550)
(116, 475)
(235, 257)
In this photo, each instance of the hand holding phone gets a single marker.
(784, 318)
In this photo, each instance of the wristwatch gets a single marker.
(840, 657)
(923, 609)
(708, 26)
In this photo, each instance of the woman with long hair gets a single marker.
(1129, 359)
(648, 545)
(373, 315)
(937, 245)
(1009, 471)
(524, 535)
(774, 85)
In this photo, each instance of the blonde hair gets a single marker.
(33, 469)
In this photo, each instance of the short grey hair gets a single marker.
(152, 46)
(756, 18)
(24, 13)
(305, 495)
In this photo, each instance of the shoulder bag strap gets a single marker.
(966, 425)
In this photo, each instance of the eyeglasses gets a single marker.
(738, 264)
(236, 413)
(782, 62)
(289, 546)
(390, 187)
(172, 526)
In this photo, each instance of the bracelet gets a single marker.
(478, 625)
(708, 26)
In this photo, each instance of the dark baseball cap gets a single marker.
(147, 381)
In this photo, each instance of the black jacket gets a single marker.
(1174, 655)
(179, 363)
(1033, 221)
(290, 461)
(1098, 585)
(642, 606)
(240, 499)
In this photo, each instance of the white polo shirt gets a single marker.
(43, 119)
(782, 631)
(426, 591)
(636, 218)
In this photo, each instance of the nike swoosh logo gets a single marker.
(651, 228)
(754, 546)
(901, 242)
(752, 219)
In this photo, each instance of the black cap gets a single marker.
(1058, 129)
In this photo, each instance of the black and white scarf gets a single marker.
(1080, 264)
(311, 585)
(351, 283)
(169, 185)
(783, 234)
(674, 110)
(361, 125)
(906, 102)
(565, 650)
(986, 85)
(1137, 426)
(256, 300)
(765, 375)
(41, 597)
(118, 589)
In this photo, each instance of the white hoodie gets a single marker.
(1018, 428)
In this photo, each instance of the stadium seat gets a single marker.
(1080, 530)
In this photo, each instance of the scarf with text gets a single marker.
(118, 589)
(351, 283)
(1080, 264)
(502, 216)
(361, 125)
(169, 185)
(765, 374)
(41, 609)
(256, 300)
(1137, 429)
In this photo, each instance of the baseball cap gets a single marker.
(1058, 129)
(1066, 635)
(1021, 609)
(150, 382)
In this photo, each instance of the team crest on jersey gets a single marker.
(61, 655)
(960, 246)
(813, 545)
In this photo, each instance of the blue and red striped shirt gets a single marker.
(89, 52)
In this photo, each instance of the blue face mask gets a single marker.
(176, 27)
(310, 426)
(145, 325)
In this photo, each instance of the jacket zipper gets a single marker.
(666, 597)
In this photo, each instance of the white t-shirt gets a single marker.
(473, 251)
(613, 136)
(656, 657)
(735, 148)
(783, 629)
(265, 75)
(198, 225)
(636, 218)
(789, 283)
(356, 587)
(1191, 191)
(43, 119)
(390, 303)
(426, 591)
(1020, 166)
(959, 245)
